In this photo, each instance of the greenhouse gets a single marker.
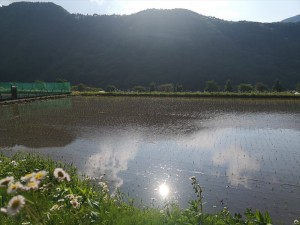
(14, 90)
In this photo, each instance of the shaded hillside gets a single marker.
(42, 41)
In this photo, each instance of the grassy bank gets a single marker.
(42, 191)
(194, 94)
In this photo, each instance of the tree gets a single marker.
(261, 87)
(165, 87)
(139, 88)
(111, 88)
(81, 87)
(178, 88)
(298, 87)
(245, 88)
(228, 86)
(211, 86)
(152, 86)
(277, 86)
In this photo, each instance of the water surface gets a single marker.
(244, 152)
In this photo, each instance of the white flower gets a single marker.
(104, 186)
(71, 196)
(15, 204)
(28, 177)
(31, 185)
(40, 175)
(14, 187)
(61, 175)
(6, 181)
(14, 163)
(56, 207)
(75, 203)
(3, 210)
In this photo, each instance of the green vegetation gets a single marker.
(228, 86)
(40, 191)
(298, 87)
(178, 88)
(139, 88)
(277, 86)
(211, 86)
(110, 88)
(261, 87)
(245, 88)
(82, 87)
(165, 88)
(152, 87)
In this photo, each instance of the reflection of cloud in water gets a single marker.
(238, 162)
(216, 146)
(113, 157)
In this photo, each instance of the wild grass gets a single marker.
(59, 199)
(194, 94)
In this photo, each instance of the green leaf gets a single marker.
(259, 216)
(268, 218)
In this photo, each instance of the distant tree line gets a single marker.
(210, 86)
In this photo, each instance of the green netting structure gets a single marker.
(34, 89)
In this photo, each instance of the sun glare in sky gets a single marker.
(251, 10)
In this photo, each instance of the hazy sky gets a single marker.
(252, 10)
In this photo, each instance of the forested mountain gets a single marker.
(42, 41)
(294, 19)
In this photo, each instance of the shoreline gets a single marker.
(232, 95)
(283, 95)
(31, 99)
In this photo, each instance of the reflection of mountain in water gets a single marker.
(34, 124)
(58, 122)
(166, 115)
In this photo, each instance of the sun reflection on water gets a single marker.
(164, 190)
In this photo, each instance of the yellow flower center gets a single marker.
(38, 176)
(31, 184)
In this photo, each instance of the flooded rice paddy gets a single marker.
(244, 152)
